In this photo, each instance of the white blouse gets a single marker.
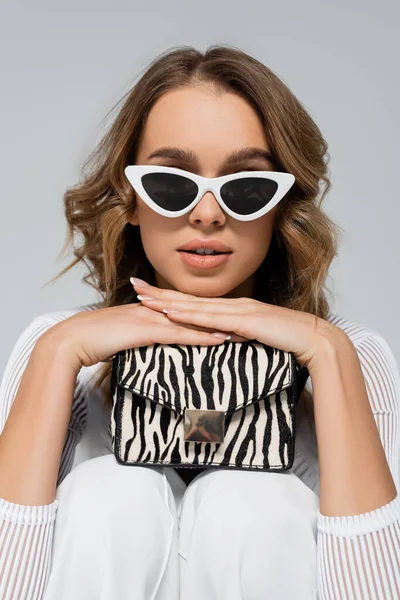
(358, 555)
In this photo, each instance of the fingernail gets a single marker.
(138, 281)
(222, 335)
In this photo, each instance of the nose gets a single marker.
(207, 211)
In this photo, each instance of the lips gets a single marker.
(207, 261)
(216, 245)
(215, 253)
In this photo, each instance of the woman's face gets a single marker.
(211, 126)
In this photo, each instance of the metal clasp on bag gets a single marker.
(204, 425)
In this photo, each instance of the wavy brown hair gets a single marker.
(304, 241)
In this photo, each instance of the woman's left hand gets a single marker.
(301, 333)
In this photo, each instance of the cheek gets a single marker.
(149, 221)
(257, 236)
(160, 235)
(267, 229)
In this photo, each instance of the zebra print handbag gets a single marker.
(231, 406)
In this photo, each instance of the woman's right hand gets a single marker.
(93, 336)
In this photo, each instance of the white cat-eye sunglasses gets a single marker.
(173, 192)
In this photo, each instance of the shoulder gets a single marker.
(36, 326)
(41, 323)
(370, 344)
(53, 317)
(354, 330)
(21, 351)
(377, 359)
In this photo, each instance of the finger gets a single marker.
(160, 317)
(217, 321)
(150, 290)
(234, 336)
(158, 303)
(158, 292)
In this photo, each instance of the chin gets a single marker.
(204, 288)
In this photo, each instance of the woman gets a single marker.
(75, 524)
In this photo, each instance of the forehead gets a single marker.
(210, 124)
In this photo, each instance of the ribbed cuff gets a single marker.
(362, 524)
(28, 515)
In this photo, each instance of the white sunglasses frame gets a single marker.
(134, 174)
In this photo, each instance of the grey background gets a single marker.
(64, 65)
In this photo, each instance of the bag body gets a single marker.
(191, 406)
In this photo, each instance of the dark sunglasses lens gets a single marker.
(171, 192)
(248, 195)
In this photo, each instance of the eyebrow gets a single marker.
(189, 157)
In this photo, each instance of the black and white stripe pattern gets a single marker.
(253, 384)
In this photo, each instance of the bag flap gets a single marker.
(224, 377)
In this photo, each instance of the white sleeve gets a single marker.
(26, 532)
(359, 555)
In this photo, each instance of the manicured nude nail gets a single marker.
(138, 282)
(222, 335)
